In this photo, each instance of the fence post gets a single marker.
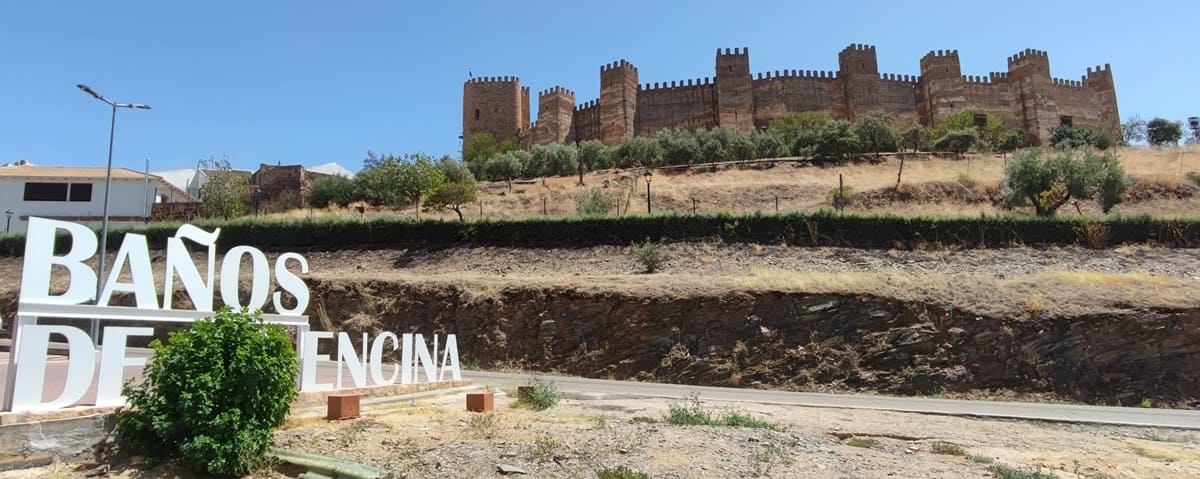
(544, 206)
(480, 209)
(776, 204)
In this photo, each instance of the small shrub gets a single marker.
(1004, 471)
(947, 448)
(1194, 177)
(1094, 235)
(1146, 403)
(744, 419)
(864, 442)
(483, 426)
(967, 181)
(649, 255)
(542, 395)
(545, 447)
(840, 197)
(980, 459)
(592, 202)
(194, 402)
(688, 413)
(620, 472)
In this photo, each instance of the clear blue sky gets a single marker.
(313, 82)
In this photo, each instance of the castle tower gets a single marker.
(1029, 75)
(1100, 81)
(735, 97)
(858, 69)
(941, 73)
(618, 101)
(495, 105)
(556, 109)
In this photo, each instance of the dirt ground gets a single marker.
(436, 438)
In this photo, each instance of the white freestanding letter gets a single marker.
(291, 283)
(450, 360)
(346, 353)
(135, 252)
(260, 277)
(113, 362)
(406, 358)
(424, 361)
(31, 367)
(308, 377)
(39, 260)
(200, 290)
(377, 359)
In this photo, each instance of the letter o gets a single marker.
(260, 280)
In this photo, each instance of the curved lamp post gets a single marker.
(107, 185)
(8, 223)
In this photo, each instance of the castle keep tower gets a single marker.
(858, 68)
(735, 97)
(495, 105)
(618, 101)
(556, 108)
(941, 74)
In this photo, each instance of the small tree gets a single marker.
(989, 133)
(505, 166)
(327, 190)
(1162, 132)
(454, 196)
(1011, 140)
(1047, 180)
(213, 394)
(1133, 130)
(592, 202)
(555, 159)
(789, 127)
(957, 141)
(224, 194)
(875, 134)
(916, 138)
(713, 151)
(679, 147)
(766, 145)
(638, 151)
(836, 141)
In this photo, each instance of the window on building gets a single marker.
(1066, 121)
(81, 192)
(45, 192)
(476, 113)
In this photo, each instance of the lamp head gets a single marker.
(89, 91)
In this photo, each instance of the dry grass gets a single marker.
(797, 187)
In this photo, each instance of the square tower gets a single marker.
(735, 92)
(618, 101)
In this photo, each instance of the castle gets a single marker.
(1025, 96)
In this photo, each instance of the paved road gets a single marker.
(1167, 418)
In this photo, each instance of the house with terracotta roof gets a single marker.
(77, 194)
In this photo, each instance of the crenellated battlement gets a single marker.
(998, 77)
(500, 79)
(933, 54)
(858, 47)
(744, 51)
(556, 90)
(899, 78)
(804, 74)
(1067, 83)
(698, 82)
(1028, 56)
(622, 63)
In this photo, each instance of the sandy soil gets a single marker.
(435, 438)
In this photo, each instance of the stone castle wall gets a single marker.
(1026, 96)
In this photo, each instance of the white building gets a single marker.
(77, 194)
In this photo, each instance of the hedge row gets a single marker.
(799, 229)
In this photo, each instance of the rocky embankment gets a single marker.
(792, 340)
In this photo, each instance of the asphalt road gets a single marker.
(582, 387)
(1166, 418)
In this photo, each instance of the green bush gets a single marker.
(505, 166)
(638, 151)
(649, 255)
(875, 134)
(957, 141)
(213, 394)
(1163, 132)
(790, 127)
(594, 155)
(916, 138)
(592, 202)
(1047, 180)
(836, 141)
(679, 147)
(542, 395)
(692, 413)
(840, 197)
(1071, 137)
(767, 145)
(327, 190)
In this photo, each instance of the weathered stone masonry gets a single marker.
(1025, 96)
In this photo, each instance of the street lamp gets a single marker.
(107, 185)
(8, 224)
(648, 175)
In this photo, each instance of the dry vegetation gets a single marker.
(1161, 174)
